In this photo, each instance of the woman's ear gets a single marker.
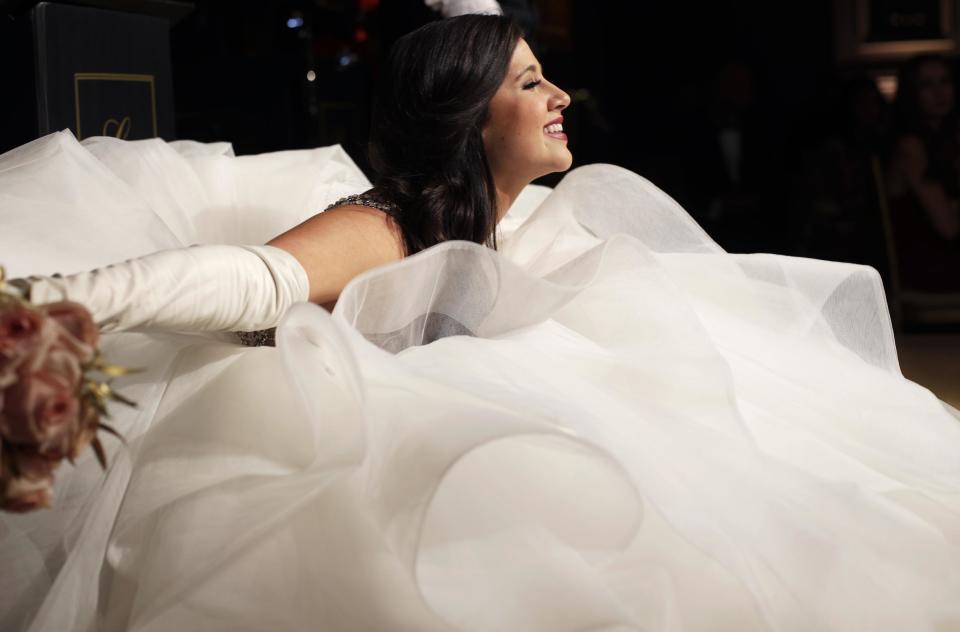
(485, 139)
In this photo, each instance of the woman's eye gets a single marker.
(531, 84)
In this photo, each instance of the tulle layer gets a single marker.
(608, 424)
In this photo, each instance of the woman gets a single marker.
(606, 423)
(924, 179)
(448, 172)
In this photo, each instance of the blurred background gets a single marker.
(820, 128)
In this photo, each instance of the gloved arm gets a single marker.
(200, 288)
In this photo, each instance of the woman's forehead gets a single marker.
(522, 58)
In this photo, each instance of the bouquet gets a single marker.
(50, 406)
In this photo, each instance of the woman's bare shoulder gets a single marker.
(338, 244)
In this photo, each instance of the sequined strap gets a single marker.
(261, 338)
(363, 199)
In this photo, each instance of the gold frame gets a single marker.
(853, 17)
(113, 76)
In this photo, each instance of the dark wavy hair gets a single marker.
(426, 149)
(943, 151)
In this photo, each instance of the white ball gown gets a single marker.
(608, 424)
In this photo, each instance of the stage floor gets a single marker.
(932, 360)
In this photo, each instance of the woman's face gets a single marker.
(524, 136)
(934, 89)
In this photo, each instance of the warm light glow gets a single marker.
(311, 75)
(887, 85)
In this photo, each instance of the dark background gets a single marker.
(640, 74)
(652, 83)
(240, 71)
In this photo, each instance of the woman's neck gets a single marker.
(507, 193)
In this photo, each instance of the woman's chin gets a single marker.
(558, 164)
(561, 163)
(565, 164)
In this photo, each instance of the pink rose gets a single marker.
(21, 495)
(20, 462)
(8, 375)
(82, 333)
(76, 319)
(34, 467)
(32, 486)
(22, 329)
(61, 361)
(41, 409)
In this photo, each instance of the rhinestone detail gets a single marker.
(261, 338)
(363, 199)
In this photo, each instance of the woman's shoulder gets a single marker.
(339, 243)
(370, 214)
(369, 232)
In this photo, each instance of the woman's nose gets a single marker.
(560, 99)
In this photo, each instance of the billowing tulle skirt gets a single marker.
(608, 424)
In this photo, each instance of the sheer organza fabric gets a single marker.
(610, 423)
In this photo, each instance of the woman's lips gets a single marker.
(554, 129)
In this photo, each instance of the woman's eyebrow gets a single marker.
(526, 70)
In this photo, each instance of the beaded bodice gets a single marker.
(267, 337)
(363, 199)
(261, 338)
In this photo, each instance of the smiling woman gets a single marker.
(524, 136)
(458, 130)
(456, 136)
(431, 112)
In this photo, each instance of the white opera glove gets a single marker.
(200, 288)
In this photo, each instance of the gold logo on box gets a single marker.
(112, 109)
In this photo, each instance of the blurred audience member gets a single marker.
(730, 173)
(923, 180)
(837, 189)
(864, 116)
